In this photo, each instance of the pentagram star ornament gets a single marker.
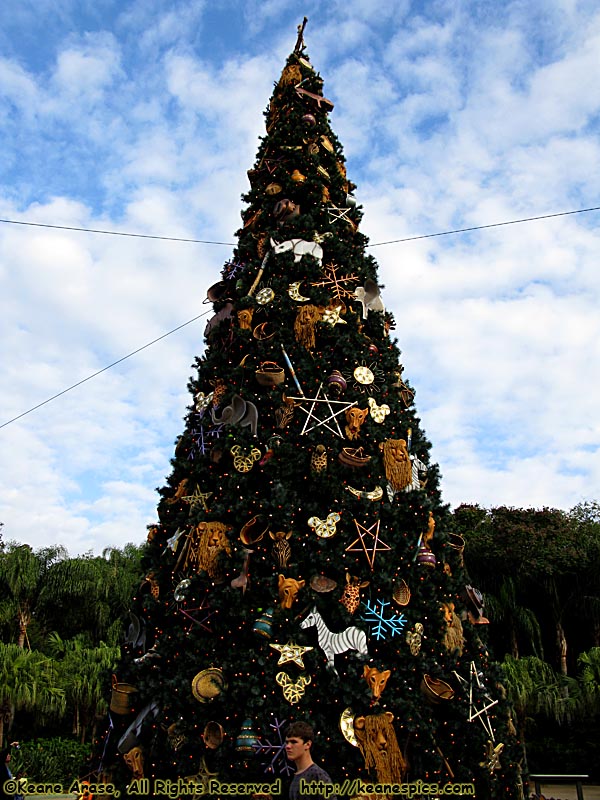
(319, 401)
(359, 545)
(197, 498)
(476, 687)
(198, 619)
(336, 213)
(291, 652)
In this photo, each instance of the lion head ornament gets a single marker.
(396, 460)
(378, 743)
(207, 547)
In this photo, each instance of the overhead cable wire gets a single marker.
(111, 233)
(483, 227)
(232, 244)
(104, 369)
(200, 241)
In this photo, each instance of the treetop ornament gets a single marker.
(298, 414)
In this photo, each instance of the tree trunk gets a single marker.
(514, 645)
(24, 620)
(561, 640)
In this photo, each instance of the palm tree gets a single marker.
(589, 679)
(516, 620)
(535, 688)
(28, 682)
(84, 674)
(23, 574)
(90, 594)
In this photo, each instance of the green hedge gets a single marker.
(56, 760)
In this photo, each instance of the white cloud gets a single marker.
(449, 118)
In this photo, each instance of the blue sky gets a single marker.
(145, 116)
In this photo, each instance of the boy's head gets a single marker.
(298, 742)
(300, 730)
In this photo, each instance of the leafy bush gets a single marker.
(56, 760)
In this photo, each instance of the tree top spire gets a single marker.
(300, 45)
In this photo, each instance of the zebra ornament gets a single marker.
(332, 644)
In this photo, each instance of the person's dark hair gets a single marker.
(301, 730)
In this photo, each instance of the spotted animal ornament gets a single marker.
(288, 590)
(318, 459)
(376, 680)
(350, 598)
(378, 413)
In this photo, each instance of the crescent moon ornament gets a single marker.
(347, 726)
(373, 495)
(294, 292)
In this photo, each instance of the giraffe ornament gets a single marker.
(350, 598)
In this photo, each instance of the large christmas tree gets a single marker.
(299, 568)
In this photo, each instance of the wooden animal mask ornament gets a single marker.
(354, 420)
(281, 550)
(376, 680)
(378, 743)
(135, 761)
(350, 598)
(288, 590)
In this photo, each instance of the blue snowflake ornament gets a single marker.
(383, 626)
(274, 749)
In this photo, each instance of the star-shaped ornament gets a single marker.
(198, 618)
(332, 316)
(321, 400)
(492, 757)
(336, 213)
(359, 545)
(291, 652)
(476, 687)
(198, 498)
(272, 164)
(173, 542)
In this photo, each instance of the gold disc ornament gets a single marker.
(208, 684)
(364, 375)
(265, 296)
